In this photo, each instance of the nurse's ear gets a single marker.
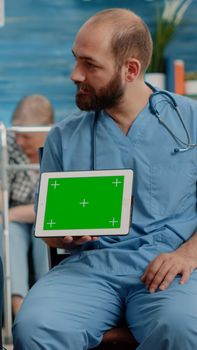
(132, 69)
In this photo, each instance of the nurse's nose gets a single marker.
(77, 74)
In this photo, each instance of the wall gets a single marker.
(36, 41)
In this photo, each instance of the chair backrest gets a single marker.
(56, 256)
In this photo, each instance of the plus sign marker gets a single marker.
(86, 202)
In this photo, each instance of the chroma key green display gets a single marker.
(84, 203)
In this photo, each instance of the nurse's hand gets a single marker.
(164, 268)
(68, 242)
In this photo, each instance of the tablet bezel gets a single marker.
(126, 204)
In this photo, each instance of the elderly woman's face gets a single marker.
(29, 143)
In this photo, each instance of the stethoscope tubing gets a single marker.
(186, 146)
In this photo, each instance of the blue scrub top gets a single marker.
(164, 188)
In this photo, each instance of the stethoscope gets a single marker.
(186, 146)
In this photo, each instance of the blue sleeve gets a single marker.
(52, 153)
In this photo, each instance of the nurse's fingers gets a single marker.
(162, 279)
(162, 271)
(56, 242)
(169, 277)
(172, 273)
(83, 239)
(185, 275)
(151, 270)
(78, 240)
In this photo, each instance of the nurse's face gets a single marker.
(108, 96)
(99, 83)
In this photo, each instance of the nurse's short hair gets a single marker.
(130, 35)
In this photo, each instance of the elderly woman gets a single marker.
(23, 147)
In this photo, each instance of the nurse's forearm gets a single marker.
(161, 271)
(189, 250)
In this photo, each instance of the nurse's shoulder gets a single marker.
(186, 105)
(71, 125)
(74, 122)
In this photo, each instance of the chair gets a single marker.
(118, 338)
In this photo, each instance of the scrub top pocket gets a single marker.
(173, 186)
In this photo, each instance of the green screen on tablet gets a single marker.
(84, 203)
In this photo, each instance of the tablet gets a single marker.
(83, 203)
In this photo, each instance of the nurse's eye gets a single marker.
(91, 65)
